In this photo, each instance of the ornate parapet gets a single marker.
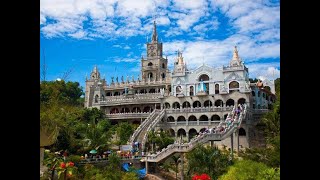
(128, 115)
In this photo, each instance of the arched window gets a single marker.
(181, 118)
(191, 91)
(259, 93)
(233, 85)
(125, 110)
(203, 118)
(171, 132)
(241, 101)
(116, 94)
(147, 109)
(181, 132)
(192, 118)
(114, 111)
(108, 94)
(170, 119)
(207, 103)
(192, 133)
(218, 103)
(204, 77)
(163, 75)
(163, 65)
(186, 104)
(178, 90)
(176, 105)
(150, 64)
(196, 104)
(242, 132)
(150, 75)
(215, 118)
(230, 102)
(136, 110)
(152, 90)
(216, 89)
(167, 105)
(96, 98)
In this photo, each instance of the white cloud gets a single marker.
(79, 35)
(264, 70)
(163, 20)
(126, 47)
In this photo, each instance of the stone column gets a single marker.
(182, 168)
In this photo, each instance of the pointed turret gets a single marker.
(180, 58)
(235, 61)
(95, 74)
(154, 34)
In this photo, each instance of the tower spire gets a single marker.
(235, 54)
(154, 34)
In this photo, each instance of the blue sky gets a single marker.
(75, 35)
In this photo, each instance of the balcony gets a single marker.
(200, 109)
(128, 115)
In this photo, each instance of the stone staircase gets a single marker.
(142, 129)
(174, 148)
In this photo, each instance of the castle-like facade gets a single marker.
(193, 99)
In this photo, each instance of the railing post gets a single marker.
(146, 166)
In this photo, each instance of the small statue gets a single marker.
(127, 78)
(117, 79)
(121, 78)
(132, 78)
(139, 78)
(112, 79)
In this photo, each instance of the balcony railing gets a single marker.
(128, 115)
(137, 83)
(199, 109)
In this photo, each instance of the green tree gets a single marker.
(208, 160)
(124, 131)
(250, 170)
(130, 176)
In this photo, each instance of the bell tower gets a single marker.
(154, 68)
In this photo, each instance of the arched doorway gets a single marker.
(192, 118)
(192, 133)
(242, 132)
(182, 132)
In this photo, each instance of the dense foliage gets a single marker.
(208, 160)
(158, 140)
(250, 170)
